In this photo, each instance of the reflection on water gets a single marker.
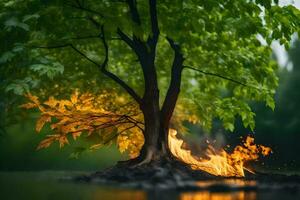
(45, 186)
(232, 182)
(241, 195)
(119, 194)
(240, 182)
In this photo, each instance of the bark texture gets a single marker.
(156, 118)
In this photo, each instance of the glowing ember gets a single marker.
(219, 163)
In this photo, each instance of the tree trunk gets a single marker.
(157, 120)
(156, 143)
(150, 109)
(156, 123)
(155, 130)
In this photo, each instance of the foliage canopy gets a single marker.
(51, 48)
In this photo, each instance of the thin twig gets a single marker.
(80, 6)
(221, 76)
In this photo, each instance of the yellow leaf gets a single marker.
(41, 122)
(90, 131)
(52, 102)
(71, 127)
(131, 141)
(46, 142)
(95, 146)
(62, 121)
(67, 103)
(90, 113)
(62, 141)
(87, 99)
(84, 127)
(74, 97)
(28, 105)
(33, 98)
(76, 134)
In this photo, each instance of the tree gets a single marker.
(215, 54)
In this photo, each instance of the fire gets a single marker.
(219, 163)
(205, 195)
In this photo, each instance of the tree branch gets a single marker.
(102, 66)
(126, 39)
(122, 35)
(103, 69)
(220, 76)
(174, 46)
(174, 87)
(133, 42)
(68, 45)
(84, 37)
(134, 12)
(154, 20)
(79, 6)
(92, 37)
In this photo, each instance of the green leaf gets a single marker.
(13, 22)
(270, 102)
(7, 56)
(229, 126)
(51, 70)
(17, 88)
(29, 17)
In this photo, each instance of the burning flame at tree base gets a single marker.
(221, 163)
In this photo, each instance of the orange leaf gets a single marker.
(52, 102)
(74, 97)
(46, 142)
(33, 98)
(41, 122)
(95, 146)
(62, 141)
(71, 127)
(28, 105)
(76, 134)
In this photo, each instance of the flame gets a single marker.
(205, 195)
(219, 163)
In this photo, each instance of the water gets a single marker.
(47, 185)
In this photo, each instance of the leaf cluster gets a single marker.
(90, 115)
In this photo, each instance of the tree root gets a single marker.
(148, 158)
